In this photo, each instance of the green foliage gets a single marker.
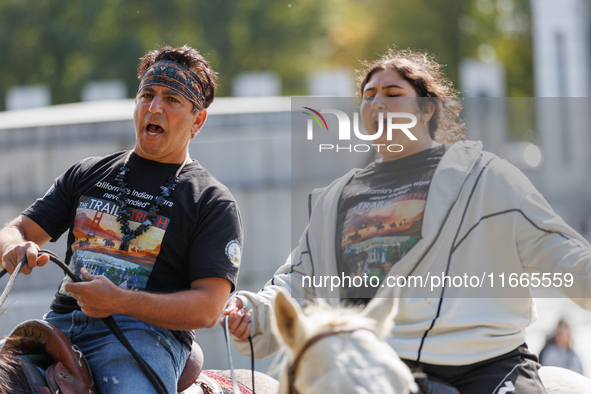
(393, 254)
(113, 274)
(67, 43)
(505, 26)
(430, 25)
(449, 30)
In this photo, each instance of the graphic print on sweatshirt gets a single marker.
(98, 237)
(379, 230)
(380, 218)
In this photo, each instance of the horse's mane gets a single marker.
(12, 375)
(326, 316)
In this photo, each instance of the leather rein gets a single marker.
(293, 367)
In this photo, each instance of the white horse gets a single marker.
(353, 360)
(343, 351)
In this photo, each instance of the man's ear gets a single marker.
(200, 118)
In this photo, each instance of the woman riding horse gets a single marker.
(458, 212)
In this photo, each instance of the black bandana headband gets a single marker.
(177, 77)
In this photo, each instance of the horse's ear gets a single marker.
(383, 310)
(290, 320)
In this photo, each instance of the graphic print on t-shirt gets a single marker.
(379, 230)
(98, 236)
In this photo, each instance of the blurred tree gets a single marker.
(449, 30)
(500, 30)
(68, 43)
(430, 25)
(260, 35)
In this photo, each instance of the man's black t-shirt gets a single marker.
(380, 217)
(197, 233)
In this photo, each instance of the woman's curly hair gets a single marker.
(423, 72)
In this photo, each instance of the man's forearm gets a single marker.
(10, 235)
(19, 239)
(199, 307)
(186, 310)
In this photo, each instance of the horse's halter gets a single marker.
(293, 367)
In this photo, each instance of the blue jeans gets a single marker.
(113, 368)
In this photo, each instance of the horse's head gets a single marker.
(340, 350)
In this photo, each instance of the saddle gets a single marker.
(192, 368)
(68, 372)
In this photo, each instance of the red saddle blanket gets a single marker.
(226, 383)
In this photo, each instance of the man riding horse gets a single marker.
(154, 199)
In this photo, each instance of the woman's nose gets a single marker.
(378, 104)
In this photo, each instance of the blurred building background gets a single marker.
(81, 57)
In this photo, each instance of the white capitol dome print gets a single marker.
(233, 251)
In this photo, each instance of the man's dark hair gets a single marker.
(189, 58)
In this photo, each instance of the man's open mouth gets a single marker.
(154, 129)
